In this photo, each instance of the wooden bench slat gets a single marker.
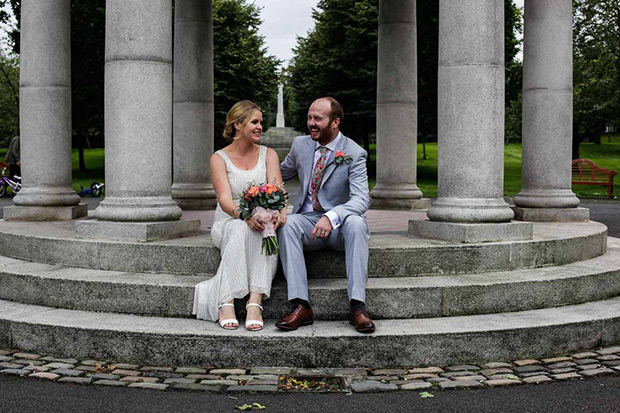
(586, 172)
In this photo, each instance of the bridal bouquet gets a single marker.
(264, 202)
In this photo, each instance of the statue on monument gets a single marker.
(280, 137)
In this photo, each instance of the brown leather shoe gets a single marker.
(358, 317)
(300, 316)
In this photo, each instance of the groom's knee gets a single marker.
(354, 225)
(293, 226)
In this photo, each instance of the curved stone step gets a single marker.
(396, 343)
(171, 295)
(391, 254)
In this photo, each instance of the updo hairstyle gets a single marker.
(240, 113)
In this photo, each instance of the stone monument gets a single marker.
(281, 137)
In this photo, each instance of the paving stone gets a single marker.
(566, 376)
(179, 380)
(344, 372)
(37, 368)
(419, 376)
(452, 374)
(369, 386)
(140, 379)
(491, 372)
(590, 366)
(161, 374)
(436, 380)
(609, 357)
(554, 360)
(501, 382)
(272, 370)
(45, 375)
(399, 382)
(503, 377)
(68, 372)
(105, 376)
(27, 362)
(59, 365)
(584, 355)
(611, 363)
(388, 372)
(586, 361)
(465, 378)
(76, 380)
(463, 367)
(536, 379)
(114, 383)
(150, 386)
(534, 374)
(312, 372)
(459, 384)
(228, 372)
(155, 368)
(190, 370)
(256, 382)
(526, 362)
(219, 382)
(561, 365)
(196, 387)
(4, 352)
(596, 372)
(93, 363)
(416, 385)
(28, 356)
(617, 368)
(265, 388)
(86, 368)
(4, 359)
(562, 371)
(609, 350)
(125, 366)
(122, 372)
(245, 377)
(7, 365)
(15, 372)
(52, 359)
(423, 370)
(203, 376)
(496, 365)
(382, 378)
(529, 369)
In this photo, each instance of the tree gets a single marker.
(596, 56)
(9, 97)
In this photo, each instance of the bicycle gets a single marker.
(6, 183)
(95, 190)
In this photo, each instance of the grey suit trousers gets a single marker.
(351, 237)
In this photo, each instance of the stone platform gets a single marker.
(434, 302)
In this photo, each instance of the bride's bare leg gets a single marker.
(227, 313)
(255, 313)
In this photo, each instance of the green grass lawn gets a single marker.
(606, 155)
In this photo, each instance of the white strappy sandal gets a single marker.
(249, 323)
(228, 320)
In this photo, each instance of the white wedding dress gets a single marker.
(243, 268)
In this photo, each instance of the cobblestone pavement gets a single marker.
(602, 361)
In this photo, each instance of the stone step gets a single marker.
(394, 254)
(396, 343)
(171, 295)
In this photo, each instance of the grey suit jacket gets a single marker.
(344, 188)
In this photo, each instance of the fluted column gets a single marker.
(471, 113)
(193, 105)
(547, 109)
(397, 108)
(138, 112)
(45, 114)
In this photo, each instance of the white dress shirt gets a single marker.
(307, 205)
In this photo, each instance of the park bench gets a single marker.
(586, 172)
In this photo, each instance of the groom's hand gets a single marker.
(322, 229)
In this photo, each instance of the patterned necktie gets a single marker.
(317, 177)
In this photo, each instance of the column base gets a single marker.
(44, 213)
(546, 198)
(194, 197)
(196, 204)
(400, 204)
(138, 209)
(470, 210)
(472, 233)
(551, 214)
(136, 231)
(397, 196)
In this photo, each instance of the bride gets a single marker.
(243, 269)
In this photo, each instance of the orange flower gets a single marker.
(339, 154)
(253, 191)
(271, 188)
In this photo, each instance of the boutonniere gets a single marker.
(340, 157)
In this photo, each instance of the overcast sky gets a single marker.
(284, 20)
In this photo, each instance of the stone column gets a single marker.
(45, 114)
(548, 114)
(138, 124)
(471, 127)
(280, 114)
(193, 105)
(397, 109)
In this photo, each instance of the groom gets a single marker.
(327, 213)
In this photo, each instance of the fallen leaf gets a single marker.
(245, 407)
(258, 406)
(426, 395)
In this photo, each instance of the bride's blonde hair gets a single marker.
(240, 113)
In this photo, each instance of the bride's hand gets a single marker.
(281, 219)
(254, 224)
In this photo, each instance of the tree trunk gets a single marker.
(576, 140)
(81, 138)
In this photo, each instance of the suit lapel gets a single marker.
(330, 169)
(308, 164)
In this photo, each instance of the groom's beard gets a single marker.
(324, 134)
